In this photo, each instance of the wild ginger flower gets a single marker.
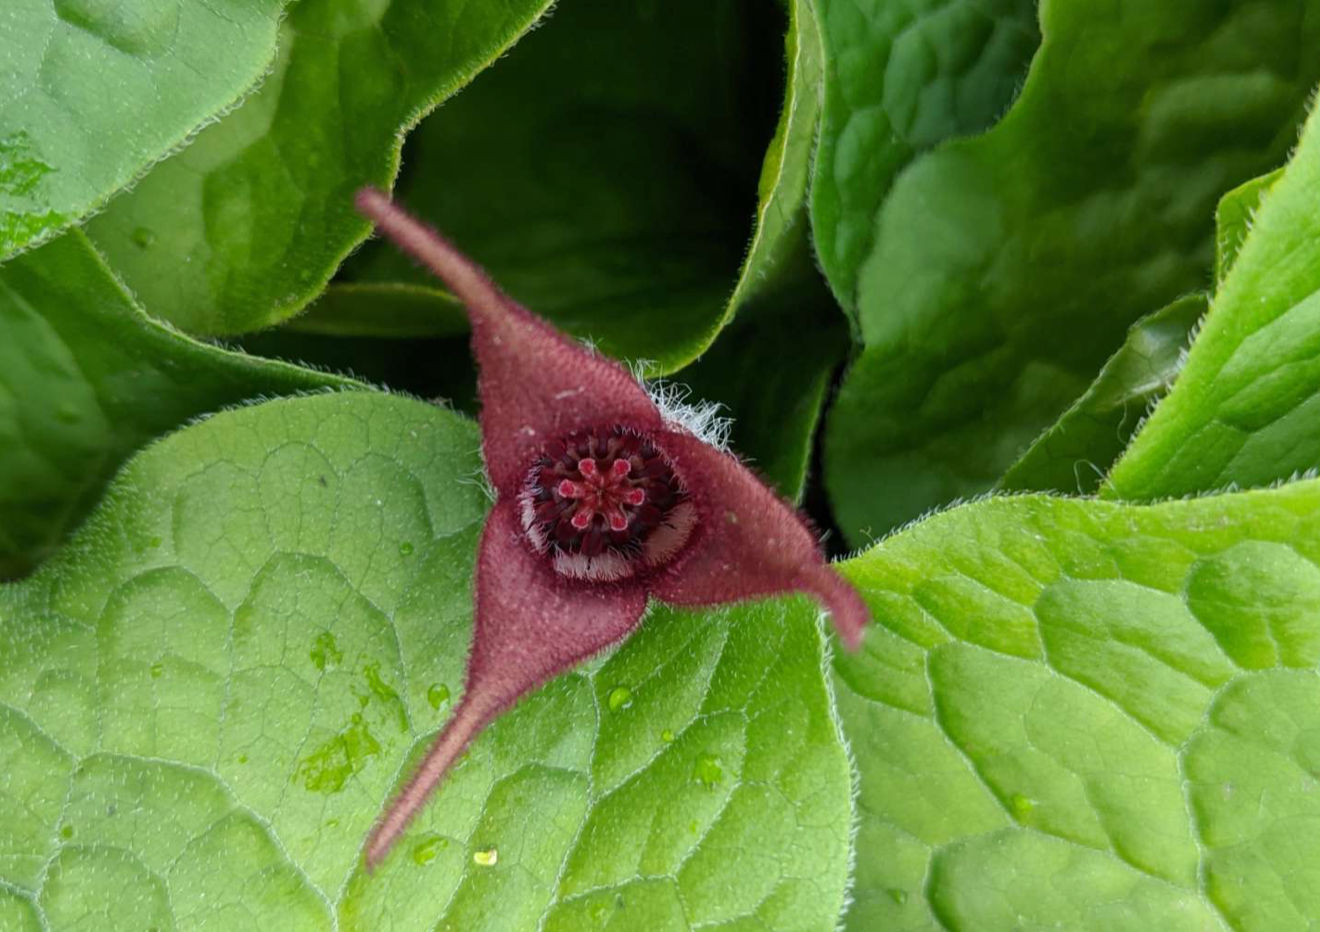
(600, 502)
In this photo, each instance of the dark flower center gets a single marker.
(605, 504)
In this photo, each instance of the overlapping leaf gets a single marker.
(245, 226)
(1008, 267)
(93, 93)
(85, 379)
(900, 78)
(205, 699)
(1246, 408)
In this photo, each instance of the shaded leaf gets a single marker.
(85, 379)
(206, 699)
(605, 172)
(1075, 453)
(245, 226)
(1089, 716)
(1008, 267)
(1246, 408)
(67, 143)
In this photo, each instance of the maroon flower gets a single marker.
(600, 502)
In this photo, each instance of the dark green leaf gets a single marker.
(1008, 267)
(605, 172)
(1075, 453)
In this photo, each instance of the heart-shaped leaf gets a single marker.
(206, 698)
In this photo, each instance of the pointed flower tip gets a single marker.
(600, 503)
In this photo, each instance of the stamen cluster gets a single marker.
(604, 503)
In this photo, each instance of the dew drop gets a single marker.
(708, 771)
(66, 832)
(406, 548)
(666, 735)
(144, 238)
(437, 695)
(897, 895)
(620, 698)
(488, 858)
(428, 848)
(1021, 805)
(154, 543)
(156, 670)
(242, 758)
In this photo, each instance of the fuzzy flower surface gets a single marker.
(601, 502)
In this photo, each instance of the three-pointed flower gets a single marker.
(600, 502)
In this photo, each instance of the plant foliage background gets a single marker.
(920, 251)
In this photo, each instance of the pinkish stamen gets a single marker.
(617, 476)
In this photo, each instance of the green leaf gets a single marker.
(605, 172)
(85, 379)
(900, 79)
(1233, 219)
(1090, 716)
(1245, 408)
(399, 311)
(1080, 447)
(93, 92)
(241, 229)
(205, 700)
(1008, 267)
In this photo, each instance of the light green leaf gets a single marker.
(1089, 716)
(605, 173)
(1246, 408)
(1233, 219)
(1075, 453)
(85, 379)
(1008, 267)
(207, 697)
(241, 229)
(93, 92)
(900, 79)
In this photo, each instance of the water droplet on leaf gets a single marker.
(406, 548)
(429, 847)
(620, 698)
(437, 695)
(144, 238)
(488, 858)
(666, 735)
